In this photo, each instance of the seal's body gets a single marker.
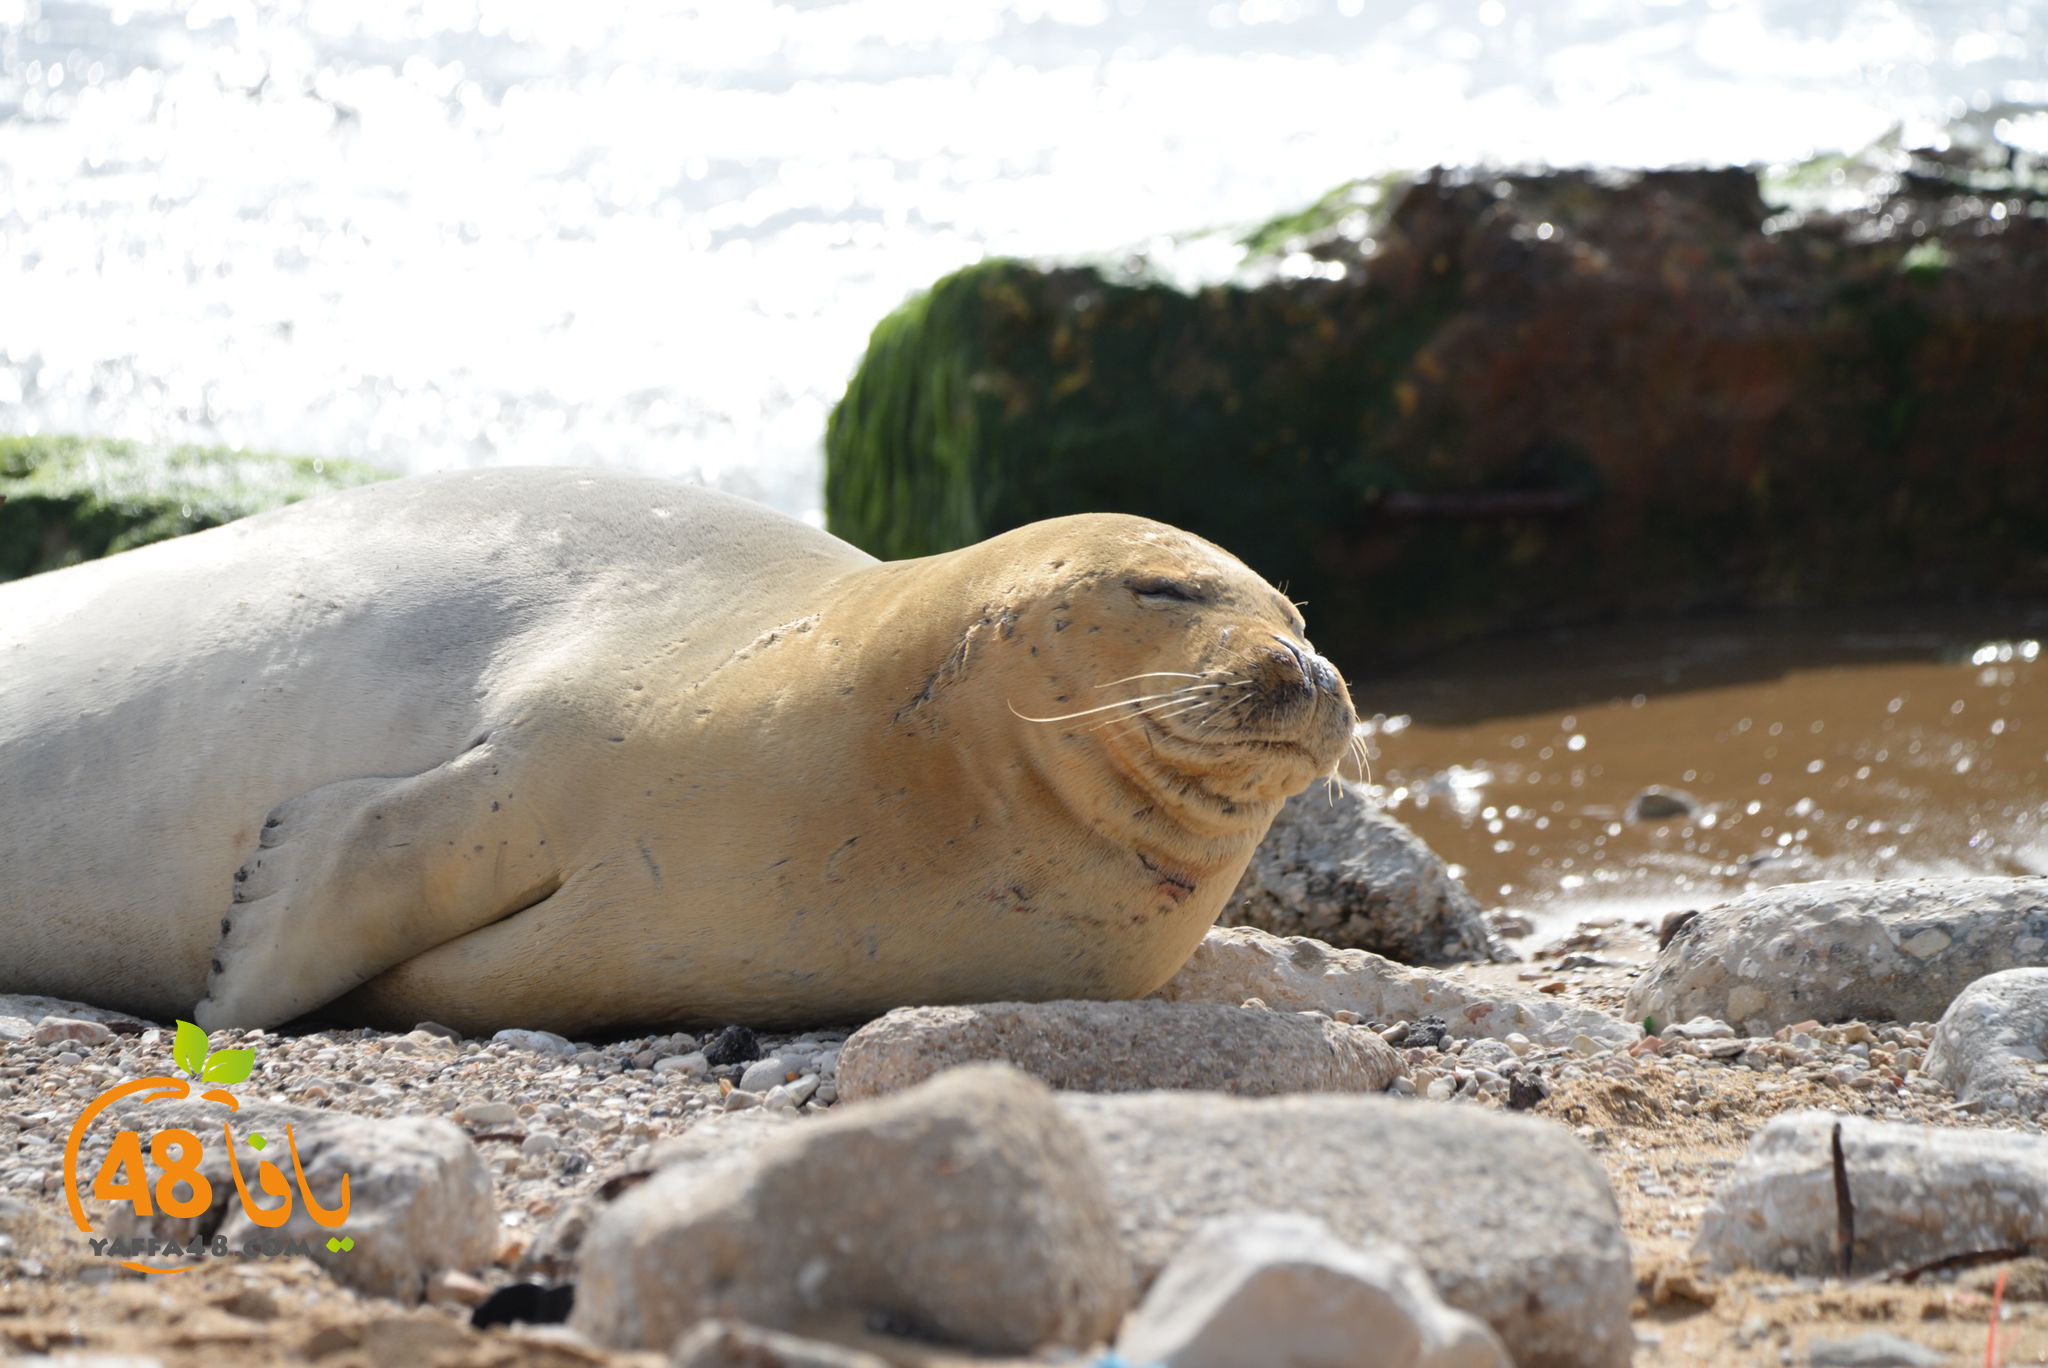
(575, 749)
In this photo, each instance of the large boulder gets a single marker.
(1525, 398)
(1915, 1194)
(1284, 1289)
(1294, 973)
(1336, 868)
(1991, 1045)
(1511, 1218)
(968, 1210)
(1897, 950)
(419, 1193)
(1120, 1047)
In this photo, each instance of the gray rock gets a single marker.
(1294, 973)
(487, 1115)
(1873, 1349)
(540, 1042)
(1120, 1047)
(1346, 873)
(53, 1030)
(763, 1074)
(1919, 1193)
(1991, 1045)
(1513, 1221)
(33, 1008)
(1283, 1289)
(1899, 950)
(968, 1209)
(1657, 803)
(419, 1196)
(735, 1344)
(691, 1065)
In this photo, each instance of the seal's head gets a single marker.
(1155, 677)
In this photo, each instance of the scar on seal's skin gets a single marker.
(955, 663)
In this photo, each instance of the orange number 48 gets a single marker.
(122, 1178)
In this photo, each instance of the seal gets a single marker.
(584, 750)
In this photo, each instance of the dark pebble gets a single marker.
(527, 1303)
(733, 1045)
(1426, 1034)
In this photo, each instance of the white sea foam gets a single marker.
(445, 232)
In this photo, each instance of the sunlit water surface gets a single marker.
(438, 233)
(1870, 746)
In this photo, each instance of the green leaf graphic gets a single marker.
(229, 1066)
(188, 1049)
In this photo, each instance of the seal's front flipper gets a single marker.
(360, 875)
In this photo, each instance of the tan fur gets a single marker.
(558, 749)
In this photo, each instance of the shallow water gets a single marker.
(1817, 747)
(445, 232)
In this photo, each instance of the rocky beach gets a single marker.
(1825, 1148)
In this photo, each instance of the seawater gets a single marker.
(441, 233)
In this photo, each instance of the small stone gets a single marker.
(1585, 1045)
(1873, 1349)
(541, 1042)
(487, 1115)
(721, 1343)
(1274, 1288)
(740, 1100)
(435, 1028)
(1657, 803)
(1442, 1089)
(52, 1030)
(540, 1142)
(1426, 1034)
(1350, 875)
(733, 1045)
(763, 1074)
(1517, 1042)
(250, 1303)
(1525, 1090)
(453, 1287)
(1120, 1047)
(1990, 1044)
(796, 1093)
(695, 1064)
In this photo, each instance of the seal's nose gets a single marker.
(1315, 671)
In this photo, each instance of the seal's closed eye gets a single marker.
(1159, 587)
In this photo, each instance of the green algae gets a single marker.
(72, 499)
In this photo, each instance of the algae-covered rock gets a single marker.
(1499, 400)
(71, 499)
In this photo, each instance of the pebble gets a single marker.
(763, 1074)
(540, 1142)
(453, 1287)
(485, 1115)
(692, 1065)
(52, 1030)
(543, 1042)
(733, 1045)
(794, 1094)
